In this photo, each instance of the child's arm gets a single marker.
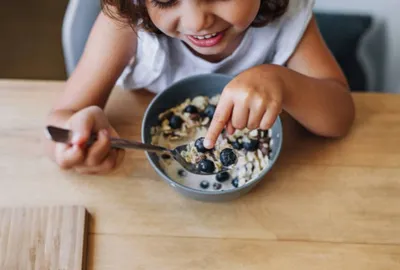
(317, 93)
(109, 48)
(312, 89)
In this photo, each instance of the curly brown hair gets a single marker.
(128, 11)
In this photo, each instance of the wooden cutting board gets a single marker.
(43, 238)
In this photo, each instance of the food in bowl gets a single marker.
(187, 123)
(215, 160)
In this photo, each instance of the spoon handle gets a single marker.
(65, 136)
(123, 143)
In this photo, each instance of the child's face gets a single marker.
(193, 21)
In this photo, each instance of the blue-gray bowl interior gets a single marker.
(207, 85)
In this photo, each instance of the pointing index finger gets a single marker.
(221, 117)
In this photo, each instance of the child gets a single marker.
(272, 48)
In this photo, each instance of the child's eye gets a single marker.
(164, 3)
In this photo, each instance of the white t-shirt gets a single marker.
(160, 60)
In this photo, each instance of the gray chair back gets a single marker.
(78, 20)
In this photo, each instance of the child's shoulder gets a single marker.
(291, 27)
(298, 11)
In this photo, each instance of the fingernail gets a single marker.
(207, 143)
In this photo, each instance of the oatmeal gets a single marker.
(187, 123)
(222, 156)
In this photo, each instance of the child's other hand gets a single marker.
(253, 99)
(98, 158)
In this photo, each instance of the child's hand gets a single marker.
(253, 99)
(98, 158)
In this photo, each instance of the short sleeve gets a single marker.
(147, 65)
(292, 26)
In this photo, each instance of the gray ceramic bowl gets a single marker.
(208, 85)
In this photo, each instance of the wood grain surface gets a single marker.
(327, 204)
(43, 238)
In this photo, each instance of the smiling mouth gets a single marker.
(205, 36)
(208, 40)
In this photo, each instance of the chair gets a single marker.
(78, 20)
(358, 43)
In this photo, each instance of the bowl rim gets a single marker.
(198, 191)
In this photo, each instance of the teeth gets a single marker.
(205, 36)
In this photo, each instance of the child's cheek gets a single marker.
(163, 21)
(242, 13)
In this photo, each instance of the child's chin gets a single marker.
(209, 51)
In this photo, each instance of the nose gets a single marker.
(195, 18)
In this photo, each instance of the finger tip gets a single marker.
(104, 132)
(208, 143)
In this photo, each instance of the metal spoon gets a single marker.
(65, 136)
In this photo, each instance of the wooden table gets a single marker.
(328, 204)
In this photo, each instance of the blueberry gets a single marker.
(182, 173)
(237, 145)
(210, 110)
(217, 186)
(175, 122)
(228, 157)
(165, 156)
(222, 176)
(251, 145)
(203, 115)
(204, 184)
(206, 166)
(200, 146)
(191, 109)
(235, 182)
